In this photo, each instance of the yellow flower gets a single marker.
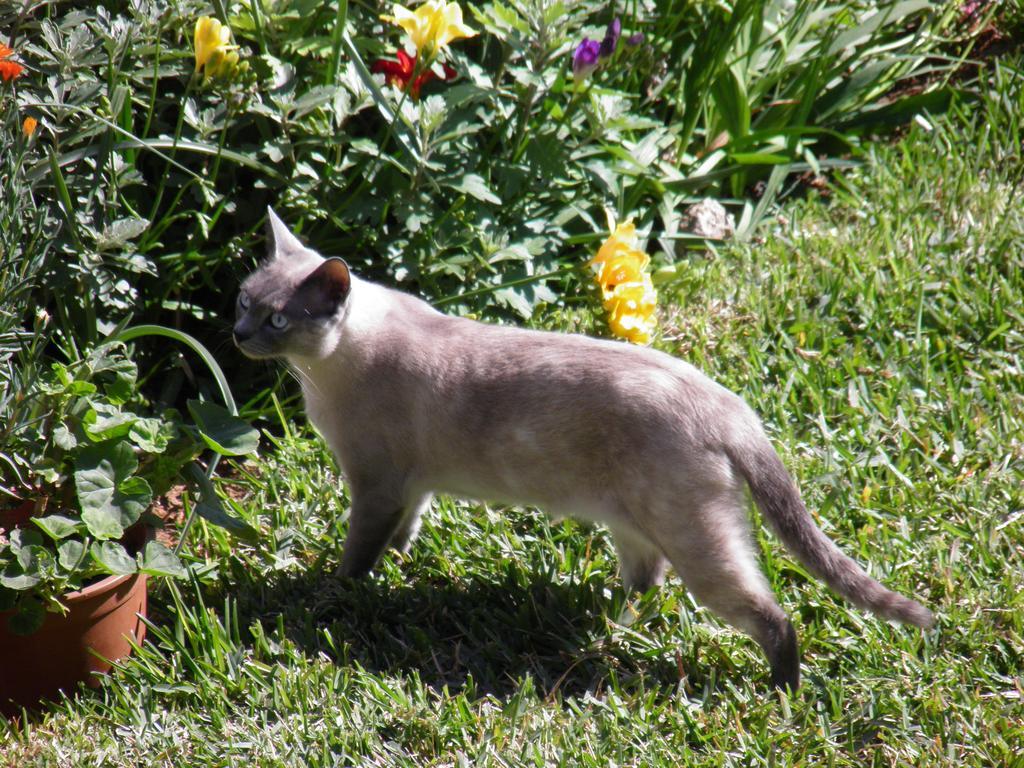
(624, 238)
(214, 52)
(631, 310)
(633, 328)
(432, 26)
(623, 267)
(626, 288)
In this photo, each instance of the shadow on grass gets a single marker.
(478, 634)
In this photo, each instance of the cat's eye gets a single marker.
(278, 321)
(243, 300)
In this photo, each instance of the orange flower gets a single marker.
(29, 127)
(9, 69)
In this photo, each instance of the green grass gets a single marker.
(879, 332)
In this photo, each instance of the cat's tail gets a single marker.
(776, 495)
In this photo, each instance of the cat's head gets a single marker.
(292, 305)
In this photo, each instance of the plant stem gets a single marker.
(174, 148)
(331, 76)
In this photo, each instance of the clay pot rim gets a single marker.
(114, 580)
(106, 584)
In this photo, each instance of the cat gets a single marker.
(413, 402)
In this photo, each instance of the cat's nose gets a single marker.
(242, 332)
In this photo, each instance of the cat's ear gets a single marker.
(326, 287)
(280, 240)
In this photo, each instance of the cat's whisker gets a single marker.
(304, 379)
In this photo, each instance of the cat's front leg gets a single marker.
(377, 518)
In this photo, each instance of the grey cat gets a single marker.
(414, 402)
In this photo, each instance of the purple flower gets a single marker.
(611, 39)
(585, 58)
(634, 40)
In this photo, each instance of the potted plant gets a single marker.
(81, 460)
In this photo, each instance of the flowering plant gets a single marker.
(430, 28)
(477, 198)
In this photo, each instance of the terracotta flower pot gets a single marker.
(67, 650)
(102, 620)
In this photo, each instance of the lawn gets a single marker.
(874, 318)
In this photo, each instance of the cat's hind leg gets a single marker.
(409, 526)
(641, 563)
(715, 558)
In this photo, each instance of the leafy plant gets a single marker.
(484, 192)
(87, 464)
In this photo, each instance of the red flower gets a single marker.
(9, 69)
(400, 73)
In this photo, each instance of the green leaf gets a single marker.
(758, 158)
(165, 469)
(209, 507)
(891, 16)
(102, 423)
(110, 498)
(25, 537)
(32, 561)
(514, 300)
(120, 373)
(64, 438)
(28, 618)
(135, 487)
(139, 331)
(402, 131)
(81, 388)
(14, 577)
(113, 558)
(733, 105)
(224, 433)
(158, 560)
(215, 513)
(152, 435)
(69, 554)
(57, 526)
(203, 148)
(474, 185)
(118, 233)
(36, 560)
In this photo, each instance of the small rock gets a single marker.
(708, 218)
